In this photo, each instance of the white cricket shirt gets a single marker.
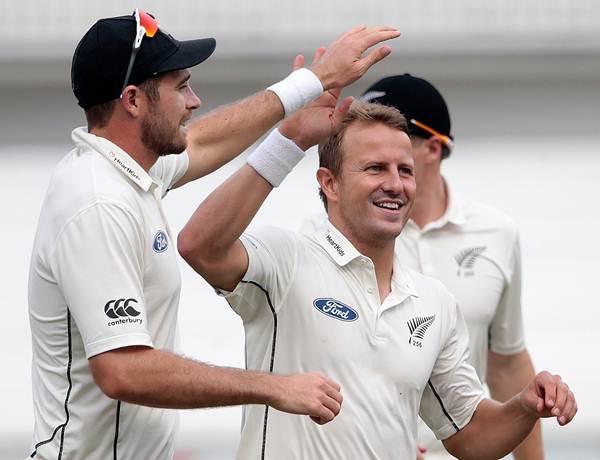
(473, 250)
(311, 303)
(103, 275)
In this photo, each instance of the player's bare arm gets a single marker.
(158, 378)
(497, 428)
(506, 376)
(221, 135)
(209, 242)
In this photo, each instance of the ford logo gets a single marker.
(335, 309)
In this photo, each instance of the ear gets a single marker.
(329, 184)
(131, 100)
(434, 149)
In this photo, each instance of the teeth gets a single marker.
(387, 205)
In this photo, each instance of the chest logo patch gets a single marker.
(466, 260)
(417, 327)
(335, 309)
(160, 243)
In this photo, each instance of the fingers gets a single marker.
(298, 62)
(371, 37)
(569, 410)
(342, 109)
(546, 388)
(318, 54)
(562, 391)
(374, 57)
(555, 398)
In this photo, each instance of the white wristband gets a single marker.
(275, 157)
(297, 89)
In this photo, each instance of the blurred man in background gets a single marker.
(104, 283)
(472, 248)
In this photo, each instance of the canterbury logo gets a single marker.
(417, 327)
(467, 257)
(120, 308)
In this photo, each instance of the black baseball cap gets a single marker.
(417, 99)
(102, 56)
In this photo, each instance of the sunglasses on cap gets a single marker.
(445, 139)
(145, 25)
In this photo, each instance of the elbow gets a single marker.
(113, 386)
(112, 378)
(190, 248)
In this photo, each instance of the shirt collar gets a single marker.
(454, 213)
(117, 156)
(343, 252)
(336, 245)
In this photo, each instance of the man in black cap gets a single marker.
(472, 248)
(104, 283)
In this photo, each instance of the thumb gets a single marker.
(341, 110)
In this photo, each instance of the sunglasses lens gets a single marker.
(148, 23)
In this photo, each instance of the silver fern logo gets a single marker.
(417, 327)
(466, 260)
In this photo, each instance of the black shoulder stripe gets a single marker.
(62, 426)
(442, 405)
(272, 362)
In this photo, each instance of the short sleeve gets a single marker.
(453, 390)
(170, 168)
(506, 329)
(272, 259)
(98, 262)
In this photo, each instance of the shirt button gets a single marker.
(370, 290)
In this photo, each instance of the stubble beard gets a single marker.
(162, 136)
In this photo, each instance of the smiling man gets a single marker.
(341, 302)
(104, 283)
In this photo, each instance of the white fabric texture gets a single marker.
(316, 296)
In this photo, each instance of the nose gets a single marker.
(193, 101)
(393, 183)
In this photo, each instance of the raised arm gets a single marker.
(497, 428)
(221, 135)
(209, 242)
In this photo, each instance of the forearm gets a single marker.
(507, 376)
(158, 378)
(493, 432)
(219, 136)
(209, 242)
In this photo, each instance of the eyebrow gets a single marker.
(185, 78)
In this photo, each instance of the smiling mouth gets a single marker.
(389, 205)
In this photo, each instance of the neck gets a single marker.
(129, 140)
(431, 200)
(380, 253)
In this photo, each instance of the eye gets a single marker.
(374, 168)
(405, 171)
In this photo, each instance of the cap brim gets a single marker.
(189, 54)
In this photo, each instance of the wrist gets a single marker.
(275, 157)
(297, 90)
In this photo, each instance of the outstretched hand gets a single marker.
(548, 396)
(342, 62)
